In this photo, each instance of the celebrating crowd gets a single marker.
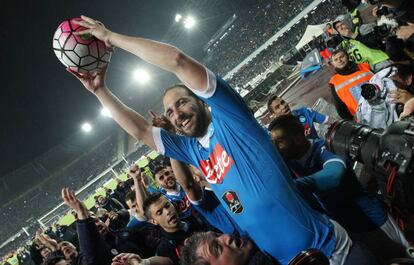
(226, 191)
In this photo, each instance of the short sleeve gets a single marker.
(318, 117)
(328, 157)
(172, 145)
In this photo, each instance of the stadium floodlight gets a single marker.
(141, 76)
(178, 17)
(106, 113)
(86, 127)
(189, 22)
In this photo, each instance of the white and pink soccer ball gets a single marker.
(80, 53)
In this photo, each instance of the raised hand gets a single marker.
(126, 259)
(95, 28)
(94, 81)
(134, 172)
(73, 202)
(161, 121)
(400, 96)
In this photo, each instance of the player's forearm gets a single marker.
(131, 121)
(185, 178)
(160, 54)
(165, 56)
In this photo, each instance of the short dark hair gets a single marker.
(130, 196)
(339, 50)
(189, 254)
(158, 169)
(150, 200)
(269, 102)
(287, 123)
(403, 71)
(53, 259)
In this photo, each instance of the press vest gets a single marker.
(359, 53)
(348, 87)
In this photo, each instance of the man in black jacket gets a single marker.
(160, 211)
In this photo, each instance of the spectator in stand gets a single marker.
(109, 204)
(345, 85)
(99, 244)
(332, 179)
(278, 107)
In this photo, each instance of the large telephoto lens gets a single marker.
(356, 141)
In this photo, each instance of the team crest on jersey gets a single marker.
(302, 119)
(232, 201)
(217, 165)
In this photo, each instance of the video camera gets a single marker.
(389, 154)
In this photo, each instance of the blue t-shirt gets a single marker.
(180, 201)
(249, 177)
(348, 203)
(212, 210)
(307, 117)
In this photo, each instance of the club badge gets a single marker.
(233, 201)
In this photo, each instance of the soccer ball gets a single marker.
(81, 53)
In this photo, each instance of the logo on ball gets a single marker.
(81, 53)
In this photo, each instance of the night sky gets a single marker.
(41, 104)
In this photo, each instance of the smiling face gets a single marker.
(224, 249)
(164, 214)
(343, 29)
(340, 60)
(165, 178)
(187, 114)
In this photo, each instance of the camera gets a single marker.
(386, 26)
(370, 92)
(388, 154)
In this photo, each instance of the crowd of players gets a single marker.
(229, 192)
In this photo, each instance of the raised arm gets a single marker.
(184, 176)
(131, 121)
(140, 191)
(165, 56)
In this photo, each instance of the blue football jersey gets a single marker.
(249, 177)
(348, 203)
(214, 212)
(180, 201)
(307, 117)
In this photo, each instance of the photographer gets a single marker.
(332, 180)
(345, 85)
(361, 48)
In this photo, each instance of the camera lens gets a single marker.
(369, 91)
